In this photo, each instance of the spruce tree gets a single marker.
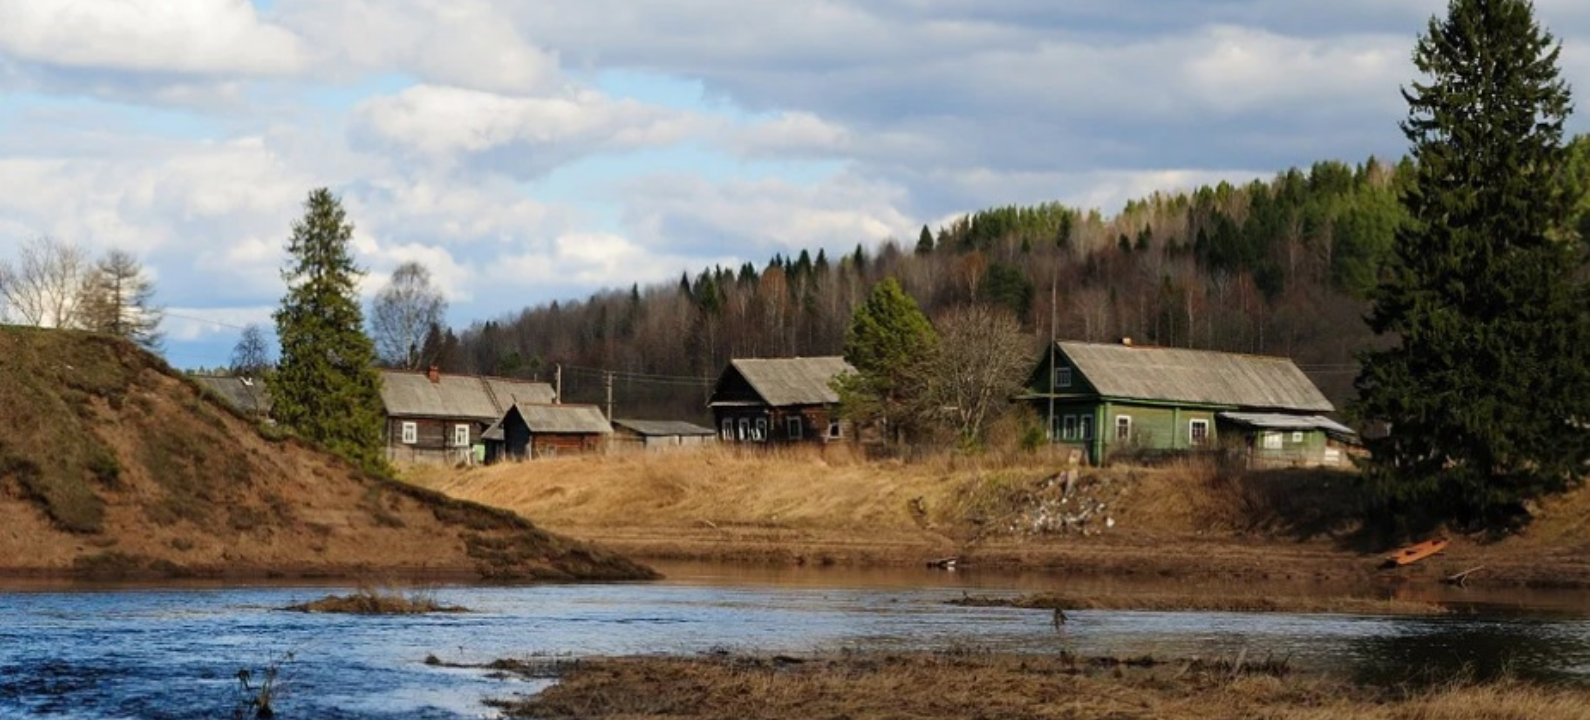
(887, 343)
(325, 386)
(1483, 388)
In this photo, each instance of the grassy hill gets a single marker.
(111, 464)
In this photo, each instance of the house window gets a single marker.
(761, 430)
(1068, 428)
(834, 429)
(727, 433)
(1198, 432)
(1123, 427)
(1086, 427)
(1271, 440)
(745, 430)
(794, 427)
(1297, 437)
(411, 433)
(460, 436)
(1062, 377)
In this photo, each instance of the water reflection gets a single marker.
(173, 652)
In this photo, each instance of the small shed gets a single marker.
(660, 435)
(529, 430)
(1279, 440)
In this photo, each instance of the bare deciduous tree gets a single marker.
(402, 313)
(118, 299)
(981, 360)
(251, 355)
(45, 286)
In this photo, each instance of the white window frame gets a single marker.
(793, 426)
(1192, 432)
(745, 430)
(1297, 437)
(1085, 427)
(460, 435)
(1270, 440)
(1068, 427)
(1062, 377)
(761, 430)
(411, 433)
(726, 431)
(1123, 427)
(835, 429)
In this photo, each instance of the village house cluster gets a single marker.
(1102, 400)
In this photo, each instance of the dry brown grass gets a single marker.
(923, 686)
(379, 600)
(1210, 603)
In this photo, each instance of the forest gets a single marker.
(1281, 267)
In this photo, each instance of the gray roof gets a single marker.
(412, 394)
(793, 381)
(656, 428)
(246, 394)
(1278, 421)
(570, 419)
(1196, 376)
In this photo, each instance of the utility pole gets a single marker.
(609, 384)
(557, 398)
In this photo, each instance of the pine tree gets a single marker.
(888, 340)
(1485, 388)
(924, 242)
(325, 386)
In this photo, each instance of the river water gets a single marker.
(175, 651)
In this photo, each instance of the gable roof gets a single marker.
(562, 419)
(1201, 377)
(656, 428)
(246, 394)
(412, 394)
(790, 381)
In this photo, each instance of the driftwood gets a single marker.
(943, 563)
(1461, 579)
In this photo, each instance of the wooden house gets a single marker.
(1112, 400)
(537, 430)
(439, 418)
(659, 435)
(779, 400)
(248, 396)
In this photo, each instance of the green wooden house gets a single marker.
(1110, 400)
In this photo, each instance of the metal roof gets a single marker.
(655, 428)
(246, 394)
(412, 394)
(570, 419)
(1204, 377)
(1279, 421)
(793, 381)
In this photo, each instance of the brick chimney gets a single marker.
(435, 374)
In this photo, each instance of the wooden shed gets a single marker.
(532, 430)
(659, 435)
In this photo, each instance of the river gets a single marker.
(174, 651)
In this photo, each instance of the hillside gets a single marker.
(1191, 521)
(112, 465)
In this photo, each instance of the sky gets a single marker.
(540, 150)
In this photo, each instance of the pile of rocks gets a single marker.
(1069, 503)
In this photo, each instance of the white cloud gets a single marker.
(522, 136)
(199, 37)
(465, 43)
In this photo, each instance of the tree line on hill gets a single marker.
(54, 283)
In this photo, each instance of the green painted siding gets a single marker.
(1155, 428)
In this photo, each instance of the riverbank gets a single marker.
(970, 683)
(1014, 511)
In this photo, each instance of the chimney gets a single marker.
(435, 374)
(1126, 341)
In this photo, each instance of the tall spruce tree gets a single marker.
(1484, 388)
(888, 342)
(325, 386)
